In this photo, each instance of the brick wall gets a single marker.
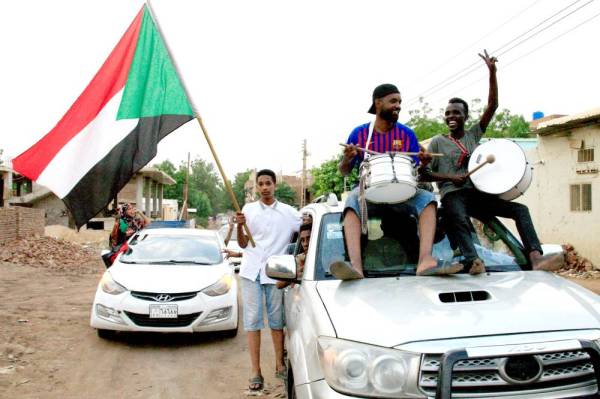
(20, 222)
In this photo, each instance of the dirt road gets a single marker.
(48, 350)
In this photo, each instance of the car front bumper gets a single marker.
(201, 313)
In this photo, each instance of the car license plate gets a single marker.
(163, 311)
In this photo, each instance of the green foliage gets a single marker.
(503, 124)
(204, 179)
(238, 189)
(176, 190)
(285, 193)
(206, 192)
(328, 179)
(424, 125)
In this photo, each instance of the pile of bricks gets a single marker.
(19, 222)
(51, 253)
(577, 265)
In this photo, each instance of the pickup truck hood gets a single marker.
(394, 311)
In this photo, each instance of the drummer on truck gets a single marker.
(384, 135)
(460, 199)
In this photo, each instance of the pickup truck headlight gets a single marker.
(365, 370)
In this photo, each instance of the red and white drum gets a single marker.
(509, 176)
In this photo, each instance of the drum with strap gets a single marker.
(508, 176)
(387, 178)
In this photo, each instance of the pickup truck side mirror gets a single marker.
(282, 267)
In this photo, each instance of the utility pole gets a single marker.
(184, 208)
(304, 156)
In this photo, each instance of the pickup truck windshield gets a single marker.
(385, 255)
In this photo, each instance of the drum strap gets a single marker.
(464, 153)
(362, 183)
(371, 127)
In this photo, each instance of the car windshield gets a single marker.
(223, 230)
(173, 249)
(394, 252)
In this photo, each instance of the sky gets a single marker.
(266, 75)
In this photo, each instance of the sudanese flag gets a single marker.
(113, 128)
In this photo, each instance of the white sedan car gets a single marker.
(169, 280)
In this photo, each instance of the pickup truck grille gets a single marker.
(485, 377)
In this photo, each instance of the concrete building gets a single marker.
(144, 190)
(563, 197)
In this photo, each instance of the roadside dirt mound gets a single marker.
(577, 265)
(53, 254)
(96, 238)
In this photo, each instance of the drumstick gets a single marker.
(489, 159)
(433, 154)
(361, 149)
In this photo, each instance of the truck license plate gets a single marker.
(163, 311)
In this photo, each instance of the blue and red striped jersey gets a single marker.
(400, 138)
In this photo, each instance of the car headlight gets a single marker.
(221, 287)
(366, 370)
(110, 286)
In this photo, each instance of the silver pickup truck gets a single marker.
(509, 333)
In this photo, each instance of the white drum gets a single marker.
(388, 178)
(509, 176)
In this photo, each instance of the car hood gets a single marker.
(394, 311)
(167, 278)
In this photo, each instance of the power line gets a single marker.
(469, 69)
(443, 64)
(534, 50)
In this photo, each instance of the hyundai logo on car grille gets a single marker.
(521, 369)
(163, 298)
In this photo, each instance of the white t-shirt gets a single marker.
(271, 227)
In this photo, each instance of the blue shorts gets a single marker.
(252, 305)
(418, 202)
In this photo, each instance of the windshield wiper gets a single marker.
(177, 261)
(389, 273)
(126, 261)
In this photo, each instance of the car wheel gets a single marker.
(106, 334)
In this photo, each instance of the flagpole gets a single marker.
(228, 187)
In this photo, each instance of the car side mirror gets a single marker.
(104, 252)
(553, 249)
(282, 267)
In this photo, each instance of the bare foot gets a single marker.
(426, 262)
(477, 267)
(343, 270)
(429, 266)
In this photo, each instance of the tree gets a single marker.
(174, 191)
(285, 193)
(205, 193)
(423, 124)
(328, 179)
(238, 189)
(503, 124)
(204, 178)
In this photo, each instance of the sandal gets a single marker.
(256, 383)
(281, 374)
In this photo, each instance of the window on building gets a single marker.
(585, 155)
(581, 197)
